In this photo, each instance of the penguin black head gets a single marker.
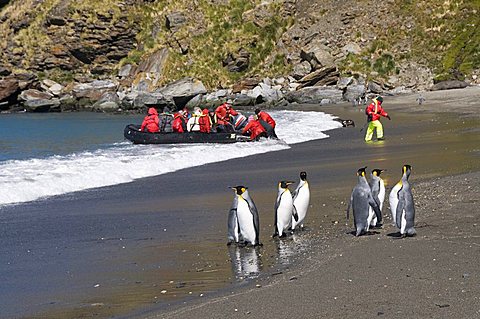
(303, 176)
(284, 184)
(406, 169)
(377, 171)
(361, 171)
(239, 190)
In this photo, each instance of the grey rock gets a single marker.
(354, 92)
(352, 48)
(42, 105)
(154, 63)
(301, 70)
(9, 90)
(175, 21)
(315, 95)
(344, 82)
(449, 85)
(323, 76)
(125, 70)
(375, 87)
(181, 91)
(32, 94)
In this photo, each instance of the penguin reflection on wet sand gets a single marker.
(377, 187)
(360, 202)
(243, 221)
(402, 205)
(301, 200)
(284, 210)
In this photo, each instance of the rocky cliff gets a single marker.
(142, 45)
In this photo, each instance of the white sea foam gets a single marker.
(27, 180)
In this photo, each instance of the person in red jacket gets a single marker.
(150, 121)
(205, 122)
(267, 122)
(374, 111)
(255, 129)
(223, 113)
(179, 124)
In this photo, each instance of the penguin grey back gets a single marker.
(405, 212)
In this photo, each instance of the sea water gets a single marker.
(43, 155)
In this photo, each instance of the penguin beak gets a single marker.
(290, 183)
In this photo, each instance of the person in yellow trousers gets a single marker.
(374, 111)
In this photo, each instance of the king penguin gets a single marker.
(284, 209)
(243, 221)
(377, 187)
(402, 205)
(360, 201)
(301, 200)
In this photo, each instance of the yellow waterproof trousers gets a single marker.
(371, 127)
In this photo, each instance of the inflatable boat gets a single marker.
(133, 134)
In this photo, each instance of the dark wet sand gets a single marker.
(135, 240)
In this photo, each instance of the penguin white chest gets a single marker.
(284, 210)
(245, 220)
(301, 202)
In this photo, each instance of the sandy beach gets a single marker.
(432, 275)
(156, 247)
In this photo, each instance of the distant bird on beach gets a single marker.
(360, 202)
(301, 200)
(377, 187)
(284, 210)
(402, 205)
(243, 221)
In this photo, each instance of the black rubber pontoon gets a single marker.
(133, 134)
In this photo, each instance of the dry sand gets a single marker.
(432, 275)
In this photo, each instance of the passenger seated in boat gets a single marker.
(223, 114)
(150, 122)
(267, 122)
(179, 124)
(193, 124)
(165, 121)
(254, 128)
(205, 122)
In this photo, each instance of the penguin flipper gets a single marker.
(294, 213)
(376, 208)
(400, 208)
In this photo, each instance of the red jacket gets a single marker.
(150, 121)
(255, 129)
(204, 122)
(375, 110)
(267, 118)
(178, 124)
(223, 114)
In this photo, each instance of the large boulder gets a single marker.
(354, 92)
(265, 93)
(302, 69)
(109, 102)
(315, 95)
(182, 91)
(145, 99)
(245, 84)
(324, 76)
(448, 85)
(317, 54)
(9, 90)
(237, 62)
(93, 90)
(43, 105)
(32, 94)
